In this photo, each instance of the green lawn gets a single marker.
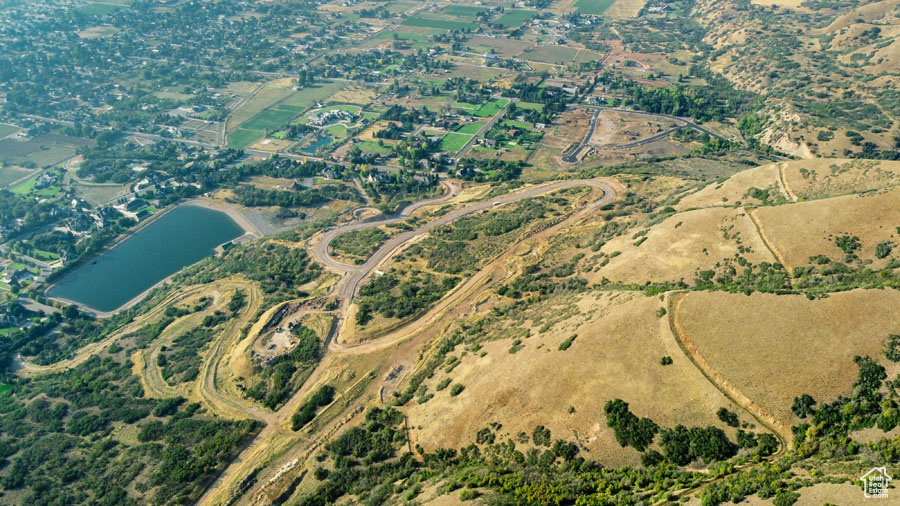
(592, 6)
(337, 131)
(374, 147)
(44, 256)
(25, 187)
(241, 138)
(511, 123)
(465, 105)
(531, 106)
(470, 128)
(453, 142)
(515, 18)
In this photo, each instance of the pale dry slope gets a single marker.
(775, 347)
(814, 179)
(616, 355)
(680, 245)
(732, 190)
(799, 231)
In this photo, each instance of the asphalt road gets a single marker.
(357, 273)
(573, 156)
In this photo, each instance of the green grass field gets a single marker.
(531, 106)
(491, 107)
(465, 105)
(307, 97)
(337, 131)
(269, 119)
(373, 147)
(444, 24)
(27, 188)
(515, 18)
(44, 256)
(470, 128)
(453, 141)
(511, 123)
(463, 11)
(550, 54)
(241, 138)
(592, 6)
(7, 130)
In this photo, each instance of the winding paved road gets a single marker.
(348, 287)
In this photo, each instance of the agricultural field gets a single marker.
(96, 194)
(43, 150)
(10, 174)
(593, 6)
(550, 54)
(274, 106)
(243, 137)
(432, 21)
(6, 130)
(515, 18)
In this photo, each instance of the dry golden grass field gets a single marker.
(625, 8)
(812, 179)
(773, 348)
(799, 231)
(732, 190)
(680, 245)
(620, 341)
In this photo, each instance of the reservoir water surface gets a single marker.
(181, 237)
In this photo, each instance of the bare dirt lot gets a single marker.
(615, 128)
(776, 347)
